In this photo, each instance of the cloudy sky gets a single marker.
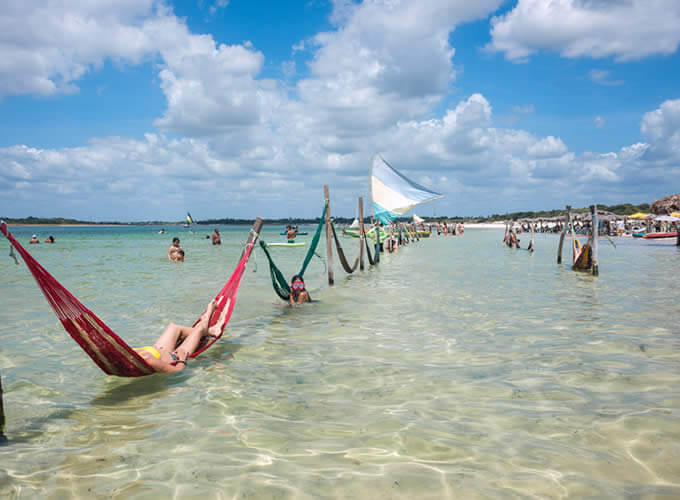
(146, 109)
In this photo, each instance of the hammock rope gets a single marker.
(107, 349)
(372, 261)
(279, 282)
(341, 254)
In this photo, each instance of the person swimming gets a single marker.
(34, 240)
(170, 352)
(298, 292)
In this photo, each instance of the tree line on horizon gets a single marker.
(620, 209)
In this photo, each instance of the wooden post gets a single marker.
(564, 232)
(362, 235)
(257, 227)
(3, 438)
(377, 242)
(595, 229)
(329, 248)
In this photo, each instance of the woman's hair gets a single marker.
(297, 277)
(175, 239)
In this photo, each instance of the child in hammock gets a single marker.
(170, 352)
(298, 293)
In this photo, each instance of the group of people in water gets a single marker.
(452, 229)
(34, 240)
(176, 252)
(298, 294)
(172, 349)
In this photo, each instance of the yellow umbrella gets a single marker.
(639, 215)
(675, 214)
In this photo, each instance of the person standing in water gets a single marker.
(34, 240)
(216, 240)
(291, 232)
(175, 252)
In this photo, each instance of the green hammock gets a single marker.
(279, 282)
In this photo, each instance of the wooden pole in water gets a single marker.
(361, 233)
(593, 211)
(3, 438)
(564, 232)
(254, 232)
(329, 248)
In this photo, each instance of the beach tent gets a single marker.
(666, 218)
(417, 220)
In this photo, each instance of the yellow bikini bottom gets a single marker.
(151, 350)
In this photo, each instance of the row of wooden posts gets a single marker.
(362, 236)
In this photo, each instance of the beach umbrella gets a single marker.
(639, 215)
(676, 214)
(667, 218)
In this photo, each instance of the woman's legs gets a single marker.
(194, 338)
(168, 340)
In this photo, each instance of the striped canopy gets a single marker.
(393, 194)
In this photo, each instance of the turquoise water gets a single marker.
(457, 368)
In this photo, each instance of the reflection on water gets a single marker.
(458, 368)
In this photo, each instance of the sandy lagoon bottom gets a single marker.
(456, 369)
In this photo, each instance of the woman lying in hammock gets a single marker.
(177, 343)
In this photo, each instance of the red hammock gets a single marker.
(106, 348)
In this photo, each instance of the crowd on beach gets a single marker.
(608, 227)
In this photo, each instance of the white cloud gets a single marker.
(219, 4)
(625, 30)
(547, 148)
(244, 139)
(47, 47)
(122, 178)
(601, 77)
(524, 110)
(598, 121)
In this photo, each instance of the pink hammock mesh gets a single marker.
(106, 348)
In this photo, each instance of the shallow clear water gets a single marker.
(457, 368)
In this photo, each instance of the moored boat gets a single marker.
(650, 236)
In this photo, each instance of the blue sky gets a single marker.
(146, 109)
